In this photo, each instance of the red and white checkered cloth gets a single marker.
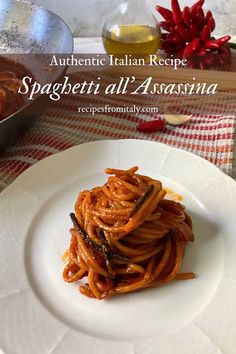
(209, 135)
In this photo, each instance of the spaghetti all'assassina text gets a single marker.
(125, 85)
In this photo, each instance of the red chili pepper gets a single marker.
(211, 23)
(151, 126)
(199, 11)
(168, 46)
(174, 39)
(164, 35)
(189, 35)
(208, 15)
(165, 13)
(217, 43)
(177, 14)
(186, 15)
(171, 39)
(168, 26)
(196, 44)
(199, 20)
(170, 50)
(195, 6)
(209, 59)
(206, 33)
(167, 43)
(202, 51)
(193, 30)
(212, 44)
(178, 41)
(223, 40)
(188, 51)
(183, 32)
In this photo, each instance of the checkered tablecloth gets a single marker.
(210, 135)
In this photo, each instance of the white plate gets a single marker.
(40, 313)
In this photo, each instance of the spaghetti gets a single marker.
(126, 236)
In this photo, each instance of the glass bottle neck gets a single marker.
(131, 12)
(137, 12)
(136, 8)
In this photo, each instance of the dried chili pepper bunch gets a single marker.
(188, 36)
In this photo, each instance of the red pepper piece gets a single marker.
(178, 41)
(195, 6)
(167, 26)
(165, 13)
(164, 35)
(183, 32)
(211, 23)
(177, 14)
(167, 41)
(223, 40)
(202, 51)
(151, 126)
(206, 33)
(209, 59)
(199, 20)
(174, 39)
(196, 44)
(200, 11)
(208, 15)
(188, 51)
(170, 50)
(168, 46)
(193, 30)
(212, 44)
(217, 43)
(186, 15)
(180, 45)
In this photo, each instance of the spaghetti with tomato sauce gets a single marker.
(126, 236)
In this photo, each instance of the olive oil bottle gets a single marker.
(132, 39)
(131, 30)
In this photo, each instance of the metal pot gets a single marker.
(29, 31)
